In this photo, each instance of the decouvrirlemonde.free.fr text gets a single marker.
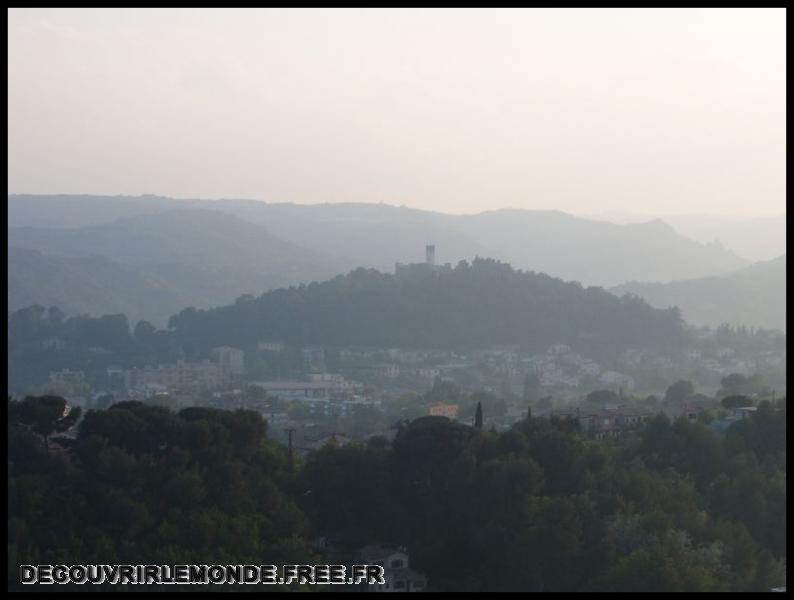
(201, 574)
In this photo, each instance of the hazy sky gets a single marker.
(653, 111)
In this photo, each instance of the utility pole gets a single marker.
(291, 464)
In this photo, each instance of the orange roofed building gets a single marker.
(443, 410)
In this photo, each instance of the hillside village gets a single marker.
(359, 392)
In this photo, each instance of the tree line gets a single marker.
(672, 507)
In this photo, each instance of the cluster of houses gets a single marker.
(398, 370)
(395, 371)
(178, 377)
(327, 394)
(67, 382)
(612, 422)
(719, 362)
(604, 423)
(558, 367)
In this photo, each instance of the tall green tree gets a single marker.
(678, 392)
(531, 387)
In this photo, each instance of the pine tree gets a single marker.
(478, 416)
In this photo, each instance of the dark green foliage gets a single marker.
(752, 296)
(145, 485)
(602, 397)
(736, 401)
(546, 403)
(737, 384)
(478, 304)
(540, 507)
(764, 434)
(678, 392)
(531, 388)
(43, 415)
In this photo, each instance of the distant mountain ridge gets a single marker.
(249, 246)
(754, 238)
(149, 266)
(180, 236)
(754, 296)
(594, 252)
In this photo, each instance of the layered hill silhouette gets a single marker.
(472, 305)
(754, 296)
(149, 266)
(214, 251)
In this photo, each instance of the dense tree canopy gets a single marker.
(478, 304)
(536, 508)
(144, 485)
(540, 508)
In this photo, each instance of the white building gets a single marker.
(231, 358)
(389, 370)
(428, 372)
(265, 346)
(744, 412)
(181, 376)
(559, 349)
(397, 575)
(322, 386)
(66, 382)
(314, 359)
(590, 367)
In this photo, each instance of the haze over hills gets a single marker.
(254, 246)
(148, 266)
(472, 305)
(187, 236)
(93, 285)
(593, 252)
(75, 210)
(553, 242)
(762, 238)
(756, 238)
(360, 314)
(754, 296)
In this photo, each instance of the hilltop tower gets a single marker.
(430, 254)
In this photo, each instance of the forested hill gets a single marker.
(472, 305)
(754, 296)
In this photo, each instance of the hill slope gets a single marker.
(92, 285)
(472, 305)
(754, 296)
(149, 266)
(595, 252)
(754, 238)
(377, 236)
(758, 239)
